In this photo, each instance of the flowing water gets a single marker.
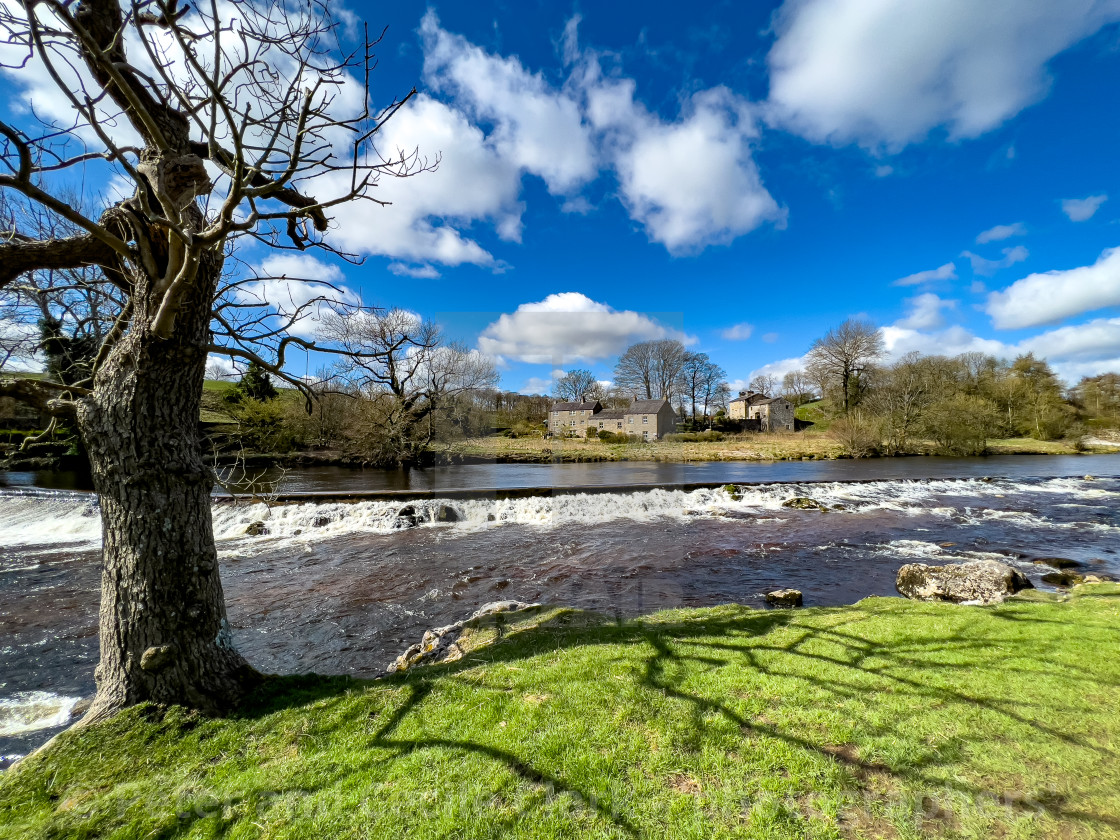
(341, 588)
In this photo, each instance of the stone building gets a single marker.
(648, 419)
(773, 413)
(571, 418)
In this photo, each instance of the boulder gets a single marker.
(446, 513)
(803, 503)
(976, 582)
(1098, 579)
(784, 598)
(256, 529)
(441, 644)
(495, 607)
(320, 521)
(1062, 578)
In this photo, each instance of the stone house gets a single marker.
(772, 413)
(571, 418)
(648, 419)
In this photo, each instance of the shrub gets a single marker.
(591, 432)
(612, 437)
(694, 437)
(859, 437)
(961, 424)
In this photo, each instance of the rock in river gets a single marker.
(977, 582)
(408, 516)
(256, 529)
(446, 513)
(1062, 578)
(803, 503)
(784, 597)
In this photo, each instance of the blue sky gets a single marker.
(743, 176)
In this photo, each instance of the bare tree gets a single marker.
(763, 383)
(843, 356)
(162, 96)
(700, 377)
(796, 387)
(651, 369)
(401, 363)
(577, 386)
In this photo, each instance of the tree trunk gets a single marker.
(164, 635)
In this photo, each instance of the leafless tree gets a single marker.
(577, 386)
(402, 364)
(763, 383)
(651, 369)
(796, 387)
(222, 118)
(700, 377)
(843, 356)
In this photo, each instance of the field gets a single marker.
(808, 445)
(885, 719)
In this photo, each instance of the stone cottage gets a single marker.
(648, 419)
(772, 413)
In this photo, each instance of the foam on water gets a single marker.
(29, 519)
(29, 711)
(49, 518)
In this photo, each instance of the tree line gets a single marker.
(959, 402)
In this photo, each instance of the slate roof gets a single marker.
(574, 406)
(611, 414)
(646, 406)
(752, 398)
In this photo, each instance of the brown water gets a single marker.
(348, 595)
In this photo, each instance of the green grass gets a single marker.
(818, 412)
(888, 718)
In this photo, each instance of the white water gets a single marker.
(29, 711)
(45, 519)
(49, 518)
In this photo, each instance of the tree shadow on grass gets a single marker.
(835, 659)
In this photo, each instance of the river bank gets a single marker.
(885, 718)
(743, 447)
(752, 447)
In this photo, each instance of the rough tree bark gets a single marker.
(163, 630)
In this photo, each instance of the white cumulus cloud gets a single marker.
(1053, 295)
(568, 327)
(535, 126)
(691, 182)
(926, 312)
(883, 73)
(1082, 209)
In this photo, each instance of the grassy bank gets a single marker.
(745, 447)
(884, 719)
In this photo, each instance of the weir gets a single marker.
(502, 493)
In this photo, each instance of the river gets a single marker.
(341, 588)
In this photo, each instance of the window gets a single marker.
(572, 423)
(600, 424)
(645, 418)
(620, 424)
(630, 420)
(645, 435)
